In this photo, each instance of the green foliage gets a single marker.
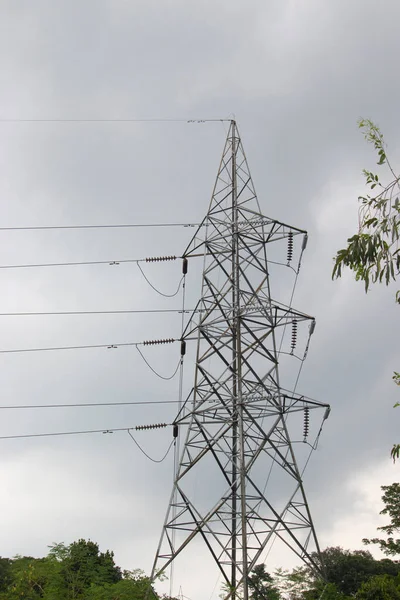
(78, 566)
(5, 573)
(31, 578)
(228, 591)
(75, 572)
(347, 570)
(380, 587)
(328, 591)
(301, 584)
(391, 500)
(81, 572)
(395, 451)
(135, 587)
(373, 253)
(261, 585)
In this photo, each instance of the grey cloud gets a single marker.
(297, 78)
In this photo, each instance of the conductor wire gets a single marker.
(145, 453)
(155, 289)
(177, 440)
(154, 371)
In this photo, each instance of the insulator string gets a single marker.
(290, 248)
(306, 423)
(294, 336)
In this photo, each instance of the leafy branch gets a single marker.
(374, 253)
(391, 499)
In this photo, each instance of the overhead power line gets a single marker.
(52, 349)
(12, 120)
(86, 404)
(118, 226)
(74, 264)
(86, 346)
(87, 431)
(111, 263)
(95, 312)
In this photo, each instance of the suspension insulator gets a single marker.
(159, 258)
(155, 426)
(183, 348)
(294, 336)
(306, 422)
(153, 342)
(304, 244)
(290, 247)
(175, 430)
(312, 326)
(185, 266)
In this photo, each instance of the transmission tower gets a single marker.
(237, 418)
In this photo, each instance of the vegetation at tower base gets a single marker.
(81, 572)
(75, 572)
(261, 585)
(373, 253)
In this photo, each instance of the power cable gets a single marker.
(154, 371)
(74, 264)
(177, 439)
(53, 349)
(117, 226)
(60, 433)
(12, 120)
(111, 263)
(147, 455)
(108, 346)
(298, 376)
(155, 289)
(86, 404)
(93, 312)
(111, 226)
(313, 447)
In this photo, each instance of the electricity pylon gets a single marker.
(237, 417)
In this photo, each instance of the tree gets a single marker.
(348, 569)
(380, 587)
(134, 586)
(325, 591)
(67, 573)
(373, 253)
(261, 585)
(83, 565)
(294, 584)
(391, 500)
(30, 578)
(5, 573)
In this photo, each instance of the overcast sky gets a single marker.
(297, 76)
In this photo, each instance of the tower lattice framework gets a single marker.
(237, 418)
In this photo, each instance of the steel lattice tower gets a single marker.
(238, 417)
